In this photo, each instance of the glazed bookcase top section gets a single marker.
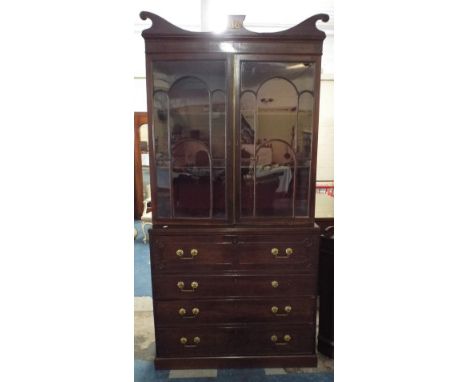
(306, 30)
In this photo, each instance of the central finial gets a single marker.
(236, 22)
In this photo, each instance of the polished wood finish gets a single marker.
(229, 290)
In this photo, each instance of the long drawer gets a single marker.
(200, 253)
(235, 341)
(199, 312)
(196, 286)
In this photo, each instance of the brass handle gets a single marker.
(196, 341)
(275, 252)
(274, 284)
(193, 253)
(181, 286)
(287, 309)
(183, 312)
(274, 338)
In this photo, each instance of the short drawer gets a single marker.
(286, 253)
(198, 312)
(235, 341)
(195, 286)
(190, 253)
(194, 342)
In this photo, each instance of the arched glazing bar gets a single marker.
(294, 138)
(209, 149)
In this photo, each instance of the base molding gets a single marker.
(234, 362)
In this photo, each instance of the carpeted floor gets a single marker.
(144, 345)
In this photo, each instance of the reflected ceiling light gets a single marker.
(227, 47)
(297, 66)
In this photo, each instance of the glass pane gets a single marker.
(247, 137)
(194, 166)
(218, 149)
(160, 123)
(304, 152)
(275, 133)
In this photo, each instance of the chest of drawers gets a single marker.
(234, 298)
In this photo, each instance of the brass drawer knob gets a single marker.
(193, 285)
(183, 312)
(289, 251)
(183, 340)
(196, 340)
(180, 252)
(274, 284)
(274, 251)
(286, 339)
(194, 252)
(287, 310)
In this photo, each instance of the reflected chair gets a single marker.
(147, 216)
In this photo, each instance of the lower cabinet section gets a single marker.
(273, 340)
(235, 298)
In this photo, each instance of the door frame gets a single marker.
(139, 118)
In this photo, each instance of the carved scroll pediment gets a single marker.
(235, 28)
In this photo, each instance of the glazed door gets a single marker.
(276, 135)
(189, 138)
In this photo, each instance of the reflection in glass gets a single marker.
(191, 174)
(276, 106)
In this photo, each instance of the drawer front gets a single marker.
(198, 312)
(286, 253)
(194, 342)
(180, 287)
(192, 253)
(235, 341)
